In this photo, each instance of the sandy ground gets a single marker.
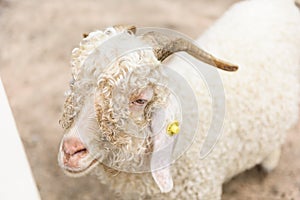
(36, 39)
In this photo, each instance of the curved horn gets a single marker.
(164, 46)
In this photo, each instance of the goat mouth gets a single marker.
(85, 163)
(82, 171)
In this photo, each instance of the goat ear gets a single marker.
(163, 145)
(160, 162)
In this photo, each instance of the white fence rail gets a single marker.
(16, 180)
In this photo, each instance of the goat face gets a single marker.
(122, 120)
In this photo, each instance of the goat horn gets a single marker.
(164, 46)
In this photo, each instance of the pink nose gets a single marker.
(74, 151)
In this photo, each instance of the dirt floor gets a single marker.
(36, 40)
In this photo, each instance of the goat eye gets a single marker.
(140, 102)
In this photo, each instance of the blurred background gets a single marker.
(37, 38)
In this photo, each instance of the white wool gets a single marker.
(263, 38)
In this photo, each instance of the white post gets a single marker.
(16, 180)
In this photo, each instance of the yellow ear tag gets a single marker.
(173, 128)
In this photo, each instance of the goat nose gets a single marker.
(73, 150)
(72, 145)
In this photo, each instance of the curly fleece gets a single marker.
(263, 38)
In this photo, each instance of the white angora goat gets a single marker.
(262, 37)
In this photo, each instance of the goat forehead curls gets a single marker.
(117, 114)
